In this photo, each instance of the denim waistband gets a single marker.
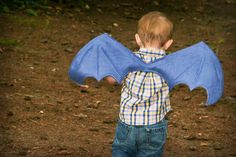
(162, 122)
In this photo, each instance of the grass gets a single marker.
(9, 42)
(29, 21)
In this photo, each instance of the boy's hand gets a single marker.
(109, 79)
(83, 86)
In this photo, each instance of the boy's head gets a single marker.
(154, 30)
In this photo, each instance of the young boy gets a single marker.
(142, 127)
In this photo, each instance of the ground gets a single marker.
(43, 113)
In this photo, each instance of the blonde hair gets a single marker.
(155, 27)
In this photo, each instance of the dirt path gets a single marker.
(44, 114)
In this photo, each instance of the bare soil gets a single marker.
(44, 114)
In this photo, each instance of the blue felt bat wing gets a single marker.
(195, 66)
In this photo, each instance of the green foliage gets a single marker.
(215, 46)
(7, 5)
(168, 52)
(9, 42)
(4, 9)
(221, 41)
(31, 12)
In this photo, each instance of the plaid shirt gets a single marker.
(144, 95)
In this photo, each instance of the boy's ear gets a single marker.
(167, 44)
(138, 40)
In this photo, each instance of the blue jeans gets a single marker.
(139, 141)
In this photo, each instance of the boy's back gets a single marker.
(145, 95)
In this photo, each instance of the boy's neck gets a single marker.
(151, 49)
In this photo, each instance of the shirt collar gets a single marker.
(152, 51)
